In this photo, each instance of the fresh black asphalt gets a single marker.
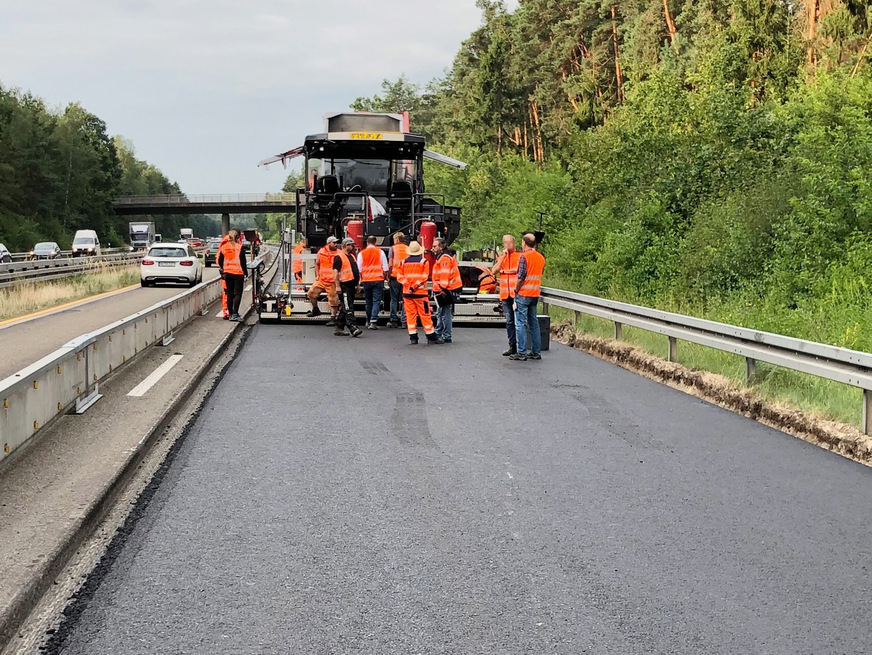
(341, 495)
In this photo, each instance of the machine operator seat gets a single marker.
(400, 204)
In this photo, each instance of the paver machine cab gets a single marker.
(363, 177)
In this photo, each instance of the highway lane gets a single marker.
(341, 495)
(21, 344)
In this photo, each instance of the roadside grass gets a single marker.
(810, 394)
(29, 297)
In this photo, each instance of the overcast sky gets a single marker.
(207, 88)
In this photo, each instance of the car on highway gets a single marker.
(5, 255)
(45, 250)
(170, 262)
(211, 256)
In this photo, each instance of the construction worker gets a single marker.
(226, 313)
(374, 270)
(325, 281)
(347, 277)
(446, 288)
(299, 249)
(231, 263)
(399, 252)
(507, 268)
(412, 274)
(527, 290)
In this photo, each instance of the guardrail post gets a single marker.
(673, 349)
(577, 317)
(867, 411)
(619, 331)
(750, 369)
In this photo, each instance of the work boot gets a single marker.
(413, 341)
(517, 357)
(356, 331)
(330, 323)
(339, 333)
(393, 324)
(236, 318)
(371, 326)
(437, 340)
(513, 349)
(534, 356)
(312, 313)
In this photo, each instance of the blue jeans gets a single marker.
(509, 311)
(398, 314)
(526, 316)
(444, 318)
(373, 291)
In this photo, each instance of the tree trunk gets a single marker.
(670, 24)
(812, 8)
(618, 75)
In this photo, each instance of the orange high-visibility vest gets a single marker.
(531, 287)
(371, 264)
(398, 255)
(232, 264)
(326, 274)
(346, 274)
(446, 274)
(509, 274)
(487, 283)
(298, 263)
(414, 274)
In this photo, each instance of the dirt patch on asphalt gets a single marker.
(832, 435)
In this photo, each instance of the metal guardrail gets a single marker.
(69, 378)
(22, 256)
(829, 362)
(210, 198)
(43, 270)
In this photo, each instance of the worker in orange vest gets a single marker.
(413, 274)
(374, 270)
(325, 281)
(506, 267)
(298, 261)
(399, 252)
(226, 313)
(446, 288)
(231, 263)
(347, 278)
(527, 290)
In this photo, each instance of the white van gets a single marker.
(86, 243)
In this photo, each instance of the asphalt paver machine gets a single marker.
(364, 176)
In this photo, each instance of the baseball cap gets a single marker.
(348, 241)
(331, 239)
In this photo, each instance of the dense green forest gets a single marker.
(709, 156)
(60, 172)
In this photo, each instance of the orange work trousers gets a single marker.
(224, 297)
(417, 308)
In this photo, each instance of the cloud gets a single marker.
(205, 89)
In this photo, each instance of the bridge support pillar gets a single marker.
(225, 224)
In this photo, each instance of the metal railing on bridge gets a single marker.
(219, 198)
(829, 362)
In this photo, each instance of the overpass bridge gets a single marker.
(276, 489)
(224, 204)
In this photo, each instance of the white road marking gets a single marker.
(219, 314)
(142, 388)
(511, 477)
(248, 288)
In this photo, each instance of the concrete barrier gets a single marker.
(69, 378)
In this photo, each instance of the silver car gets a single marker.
(45, 250)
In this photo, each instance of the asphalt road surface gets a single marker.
(365, 496)
(24, 343)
